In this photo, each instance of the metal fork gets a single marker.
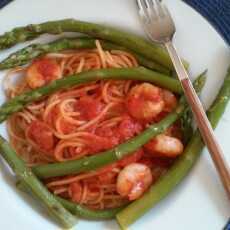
(160, 28)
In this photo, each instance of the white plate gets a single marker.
(197, 203)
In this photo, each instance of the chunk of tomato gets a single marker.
(88, 107)
(98, 144)
(40, 133)
(75, 192)
(128, 128)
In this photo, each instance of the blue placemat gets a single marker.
(4, 2)
(227, 227)
(217, 12)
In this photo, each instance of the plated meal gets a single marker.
(98, 126)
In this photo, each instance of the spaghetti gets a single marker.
(80, 121)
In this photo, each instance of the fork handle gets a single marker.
(201, 119)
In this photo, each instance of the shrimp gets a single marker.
(134, 180)
(145, 101)
(41, 72)
(170, 100)
(166, 146)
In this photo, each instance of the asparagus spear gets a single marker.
(80, 210)
(99, 160)
(130, 41)
(33, 184)
(23, 56)
(84, 212)
(139, 73)
(187, 118)
(110, 156)
(180, 168)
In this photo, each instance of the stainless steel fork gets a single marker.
(160, 28)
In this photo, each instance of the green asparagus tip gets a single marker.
(200, 81)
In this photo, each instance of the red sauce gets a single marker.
(107, 177)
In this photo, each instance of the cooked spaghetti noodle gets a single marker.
(78, 122)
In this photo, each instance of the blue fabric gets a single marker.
(227, 227)
(4, 2)
(217, 12)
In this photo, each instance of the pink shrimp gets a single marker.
(41, 72)
(145, 102)
(134, 180)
